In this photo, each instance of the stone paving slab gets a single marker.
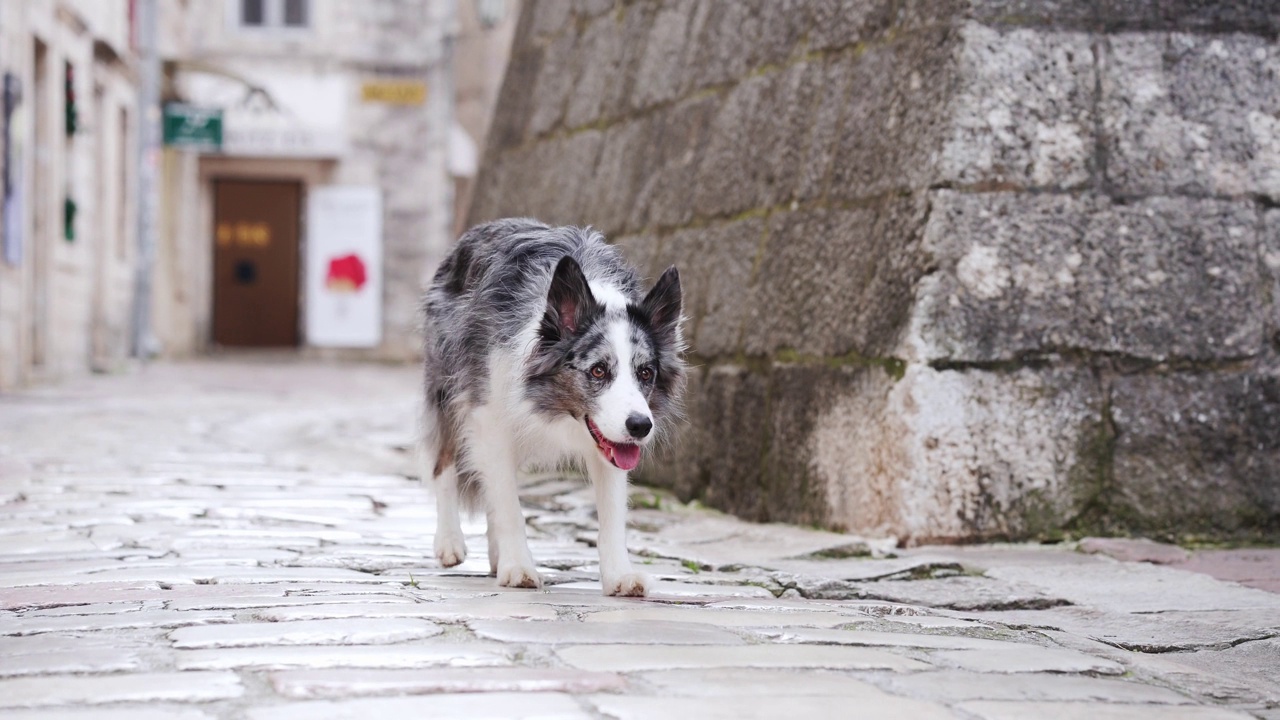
(352, 683)
(1172, 631)
(125, 712)
(353, 656)
(444, 611)
(943, 685)
(232, 539)
(359, 631)
(104, 689)
(1027, 659)
(474, 706)
(642, 632)
(630, 658)
(734, 708)
(1001, 710)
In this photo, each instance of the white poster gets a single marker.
(344, 266)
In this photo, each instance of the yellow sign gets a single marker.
(244, 234)
(395, 92)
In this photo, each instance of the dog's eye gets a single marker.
(645, 374)
(598, 371)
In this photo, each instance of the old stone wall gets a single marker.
(954, 269)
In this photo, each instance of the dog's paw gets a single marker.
(450, 550)
(632, 584)
(518, 576)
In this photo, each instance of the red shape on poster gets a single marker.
(346, 274)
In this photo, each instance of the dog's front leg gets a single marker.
(493, 459)
(617, 576)
(450, 544)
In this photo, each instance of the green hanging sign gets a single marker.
(188, 126)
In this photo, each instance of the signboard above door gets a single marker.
(273, 112)
(394, 92)
(196, 128)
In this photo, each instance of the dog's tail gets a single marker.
(441, 450)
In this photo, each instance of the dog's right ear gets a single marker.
(570, 304)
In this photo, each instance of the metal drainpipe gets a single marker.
(148, 162)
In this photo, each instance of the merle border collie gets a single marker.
(540, 350)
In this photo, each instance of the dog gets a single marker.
(541, 351)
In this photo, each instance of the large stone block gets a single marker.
(636, 21)
(759, 420)
(1025, 275)
(554, 85)
(1260, 17)
(734, 37)
(515, 103)
(718, 268)
(668, 52)
(814, 176)
(893, 127)
(841, 23)
(834, 282)
(620, 172)
(548, 17)
(1271, 266)
(644, 251)
(664, 196)
(643, 174)
(945, 455)
(1022, 116)
(592, 8)
(757, 141)
(932, 456)
(552, 181)
(596, 68)
(1197, 453)
(602, 60)
(1187, 114)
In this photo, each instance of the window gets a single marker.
(295, 13)
(290, 14)
(252, 13)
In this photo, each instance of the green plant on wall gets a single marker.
(69, 219)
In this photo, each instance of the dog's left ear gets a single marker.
(662, 304)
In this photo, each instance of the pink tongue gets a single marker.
(626, 456)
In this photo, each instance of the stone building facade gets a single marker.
(311, 96)
(67, 230)
(345, 94)
(954, 269)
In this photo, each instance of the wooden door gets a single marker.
(255, 263)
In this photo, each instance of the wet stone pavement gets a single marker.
(245, 538)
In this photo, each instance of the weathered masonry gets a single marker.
(955, 269)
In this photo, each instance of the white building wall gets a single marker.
(62, 306)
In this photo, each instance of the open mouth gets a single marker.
(623, 455)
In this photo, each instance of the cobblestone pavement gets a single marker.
(243, 538)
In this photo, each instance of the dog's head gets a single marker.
(618, 369)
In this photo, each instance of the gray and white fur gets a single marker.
(541, 350)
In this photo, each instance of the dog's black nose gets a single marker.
(639, 426)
